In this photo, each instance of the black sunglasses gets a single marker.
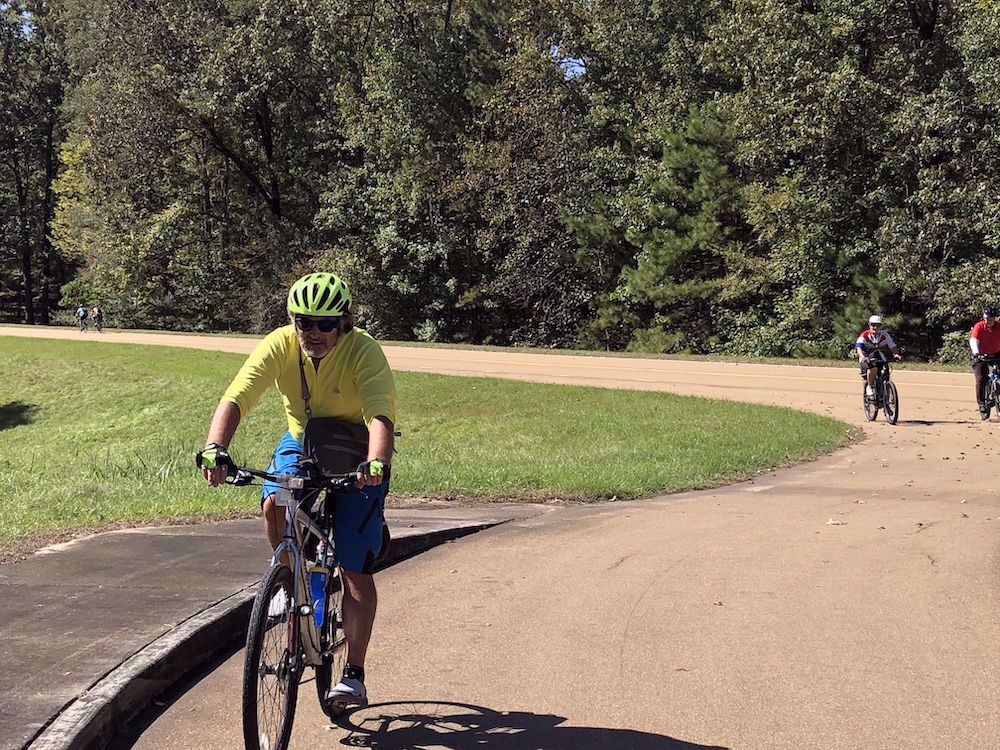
(323, 324)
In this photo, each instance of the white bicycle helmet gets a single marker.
(877, 319)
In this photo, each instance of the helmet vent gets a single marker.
(321, 302)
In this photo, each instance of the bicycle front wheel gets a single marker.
(272, 665)
(871, 406)
(891, 403)
(334, 649)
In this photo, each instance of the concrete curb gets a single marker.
(92, 721)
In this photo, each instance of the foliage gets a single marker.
(31, 90)
(954, 348)
(742, 176)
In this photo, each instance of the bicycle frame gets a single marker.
(297, 524)
(884, 374)
(992, 363)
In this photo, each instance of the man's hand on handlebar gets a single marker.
(370, 473)
(215, 463)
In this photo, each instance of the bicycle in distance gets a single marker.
(297, 616)
(885, 396)
(992, 362)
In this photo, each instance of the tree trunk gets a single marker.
(48, 211)
(265, 128)
(24, 241)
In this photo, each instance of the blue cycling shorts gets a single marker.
(359, 514)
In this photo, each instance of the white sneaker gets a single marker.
(348, 692)
(869, 391)
(279, 604)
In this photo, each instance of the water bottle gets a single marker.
(318, 574)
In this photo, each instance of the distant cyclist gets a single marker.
(97, 315)
(81, 317)
(984, 340)
(325, 369)
(871, 346)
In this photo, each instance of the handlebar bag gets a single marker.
(337, 445)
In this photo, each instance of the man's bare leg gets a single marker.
(274, 525)
(360, 603)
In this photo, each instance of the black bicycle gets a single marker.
(289, 628)
(992, 362)
(885, 397)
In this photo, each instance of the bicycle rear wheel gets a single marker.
(871, 406)
(272, 665)
(335, 651)
(891, 402)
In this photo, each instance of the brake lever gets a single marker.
(240, 479)
(342, 483)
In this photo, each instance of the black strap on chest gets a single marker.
(305, 386)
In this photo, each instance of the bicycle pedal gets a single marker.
(344, 702)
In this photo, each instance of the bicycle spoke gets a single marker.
(270, 673)
(274, 666)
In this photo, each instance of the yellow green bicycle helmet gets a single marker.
(319, 294)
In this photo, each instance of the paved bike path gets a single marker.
(74, 612)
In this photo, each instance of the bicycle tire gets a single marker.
(871, 406)
(891, 403)
(267, 641)
(332, 637)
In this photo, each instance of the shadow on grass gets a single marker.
(17, 413)
(460, 726)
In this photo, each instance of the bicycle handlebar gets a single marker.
(241, 476)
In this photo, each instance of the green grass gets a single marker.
(95, 434)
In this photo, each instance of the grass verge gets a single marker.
(95, 435)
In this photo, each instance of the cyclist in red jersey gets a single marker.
(984, 340)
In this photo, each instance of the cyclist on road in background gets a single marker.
(97, 315)
(984, 340)
(324, 368)
(870, 347)
(81, 317)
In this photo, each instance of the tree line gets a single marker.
(730, 176)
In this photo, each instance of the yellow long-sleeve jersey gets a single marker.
(353, 382)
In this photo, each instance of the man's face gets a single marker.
(315, 341)
(990, 320)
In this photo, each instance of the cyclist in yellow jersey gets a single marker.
(323, 367)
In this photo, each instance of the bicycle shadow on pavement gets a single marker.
(460, 726)
(17, 413)
(932, 422)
